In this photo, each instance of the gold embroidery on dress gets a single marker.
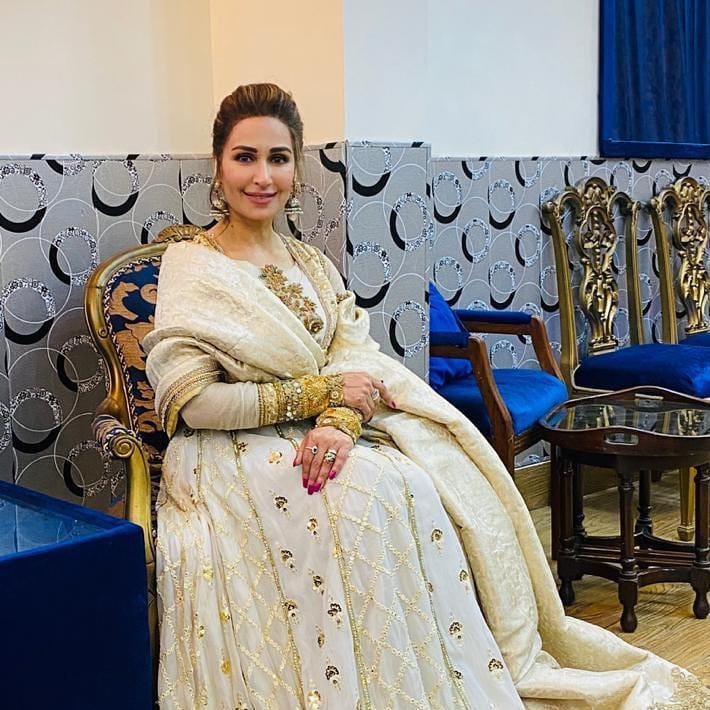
(312, 526)
(281, 504)
(335, 612)
(275, 457)
(320, 637)
(292, 296)
(456, 630)
(332, 675)
(690, 694)
(496, 668)
(287, 559)
(436, 537)
(318, 582)
(314, 700)
(226, 666)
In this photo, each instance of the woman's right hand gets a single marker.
(361, 392)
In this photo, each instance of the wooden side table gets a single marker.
(635, 432)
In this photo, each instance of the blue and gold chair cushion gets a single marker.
(129, 308)
(700, 339)
(685, 370)
(528, 395)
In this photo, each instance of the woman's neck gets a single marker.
(256, 242)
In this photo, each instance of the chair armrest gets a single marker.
(513, 323)
(458, 339)
(490, 316)
(114, 438)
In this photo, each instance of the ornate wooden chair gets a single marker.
(119, 304)
(681, 259)
(592, 359)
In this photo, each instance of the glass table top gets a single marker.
(647, 413)
(25, 525)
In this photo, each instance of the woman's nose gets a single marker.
(262, 173)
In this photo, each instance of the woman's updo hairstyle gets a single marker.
(250, 100)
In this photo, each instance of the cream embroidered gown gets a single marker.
(359, 596)
(364, 595)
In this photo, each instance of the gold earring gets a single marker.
(218, 205)
(293, 205)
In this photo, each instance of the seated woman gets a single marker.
(331, 532)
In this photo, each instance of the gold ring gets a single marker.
(313, 449)
(330, 455)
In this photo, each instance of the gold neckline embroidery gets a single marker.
(292, 296)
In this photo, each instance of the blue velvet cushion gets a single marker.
(683, 369)
(528, 395)
(443, 320)
(701, 339)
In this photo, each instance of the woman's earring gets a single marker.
(218, 205)
(293, 206)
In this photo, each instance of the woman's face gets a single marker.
(257, 168)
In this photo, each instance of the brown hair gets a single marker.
(251, 100)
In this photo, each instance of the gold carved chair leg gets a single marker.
(686, 529)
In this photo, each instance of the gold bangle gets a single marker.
(344, 419)
(300, 398)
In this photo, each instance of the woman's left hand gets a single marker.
(316, 444)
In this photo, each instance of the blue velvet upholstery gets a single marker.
(700, 339)
(685, 369)
(459, 339)
(74, 597)
(528, 395)
(442, 319)
(129, 306)
(506, 317)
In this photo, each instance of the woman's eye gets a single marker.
(280, 158)
(243, 157)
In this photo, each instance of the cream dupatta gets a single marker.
(245, 333)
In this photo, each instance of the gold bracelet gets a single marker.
(300, 398)
(344, 419)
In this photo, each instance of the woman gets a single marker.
(324, 514)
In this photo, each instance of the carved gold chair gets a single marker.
(592, 359)
(681, 259)
(119, 304)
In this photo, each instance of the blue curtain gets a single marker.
(654, 78)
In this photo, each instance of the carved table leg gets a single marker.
(567, 548)
(555, 500)
(687, 490)
(700, 575)
(643, 521)
(628, 577)
(578, 489)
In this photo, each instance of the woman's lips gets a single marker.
(260, 198)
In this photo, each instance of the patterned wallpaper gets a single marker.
(387, 214)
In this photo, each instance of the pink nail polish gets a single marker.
(294, 462)
(332, 474)
(310, 490)
(316, 488)
(305, 483)
(394, 404)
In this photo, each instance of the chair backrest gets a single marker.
(686, 203)
(589, 211)
(120, 307)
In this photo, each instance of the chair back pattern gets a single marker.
(687, 202)
(127, 286)
(594, 205)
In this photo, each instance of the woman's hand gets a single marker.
(316, 468)
(361, 392)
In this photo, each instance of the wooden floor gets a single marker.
(666, 624)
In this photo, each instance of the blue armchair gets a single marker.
(504, 403)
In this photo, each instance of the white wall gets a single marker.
(298, 45)
(385, 54)
(474, 77)
(105, 77)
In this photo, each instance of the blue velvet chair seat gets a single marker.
(528, 395)
(701, 339)
(685, 370)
